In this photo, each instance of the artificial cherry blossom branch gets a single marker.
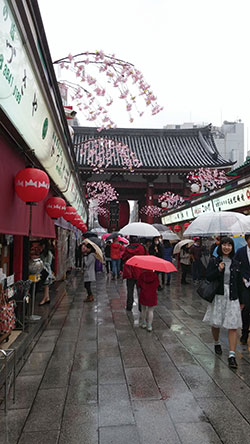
(207, 179)
(119, 74)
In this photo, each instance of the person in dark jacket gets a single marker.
(155, 249)
(107, 256)
(132, 273)
(243, 256)
(147, 283)
(225, 310)
(167, 250)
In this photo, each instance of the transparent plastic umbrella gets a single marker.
(139, 229)
(222, 223)
(166, 233)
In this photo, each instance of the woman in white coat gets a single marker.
(89, 270)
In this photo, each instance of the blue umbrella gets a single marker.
(238, 243)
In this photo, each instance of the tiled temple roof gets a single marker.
(165, 149)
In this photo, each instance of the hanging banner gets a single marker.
(22, 100)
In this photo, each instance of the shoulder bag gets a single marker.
(208, 289)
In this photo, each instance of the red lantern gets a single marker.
(171, 228)
(177, 228)
(186, 225)
(32, 185)
(55, 207)
(77, 219)
(69, 214)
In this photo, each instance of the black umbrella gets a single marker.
(112, 236)
(88, 234)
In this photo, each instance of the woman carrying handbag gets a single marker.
(225, 310)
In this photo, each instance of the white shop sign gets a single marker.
(22, 100)
(205, 207)
(236, 199)
(182, 215)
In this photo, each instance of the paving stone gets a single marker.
(79, 434)
(26, 388)
(111, 371)
(45, 344)
(50, 437)
(87, 376)
(184, 408)
(46, 413)
(133, 357)
(82, 393)
(142, 384)
(114, 405)
(154, 424)
(199, 382)
(227, 421)
(11, 425)
(119, 435)
(77, 414)
(85, 361)
(55, 377)
(197, 433)
(36, 363)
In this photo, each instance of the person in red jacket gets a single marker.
(132, 273)
(148, 283)
(115, 254)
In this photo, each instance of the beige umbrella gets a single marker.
(186, 242)
(98, 251)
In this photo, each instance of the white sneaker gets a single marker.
(149, 328)
(143, 325)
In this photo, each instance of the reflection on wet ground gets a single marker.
(95, 376)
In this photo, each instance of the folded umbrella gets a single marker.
(151, 263)
(98, 251)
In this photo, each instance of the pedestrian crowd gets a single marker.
(230, 271)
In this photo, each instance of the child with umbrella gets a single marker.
(148, 283)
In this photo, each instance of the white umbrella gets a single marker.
(187, 242)
(139, 229)
(166, 233)
(169, 235)
(222, 223)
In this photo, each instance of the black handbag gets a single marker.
(208, 289)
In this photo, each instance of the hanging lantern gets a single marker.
(83, 227)
(55, 207)
(164, 204)
(77, 219)
(32, 185)
(186, 225)
(177, 228)
(69, 214)
(195, 188)
(170, 227)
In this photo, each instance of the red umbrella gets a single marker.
(151, 263)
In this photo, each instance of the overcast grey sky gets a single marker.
(194, 53)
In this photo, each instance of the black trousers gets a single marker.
(245, 315)
(87, 285)
(131, 283)
(185, 270)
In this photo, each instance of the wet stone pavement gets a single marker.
(96, 377)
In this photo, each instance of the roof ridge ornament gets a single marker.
(206, 146)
